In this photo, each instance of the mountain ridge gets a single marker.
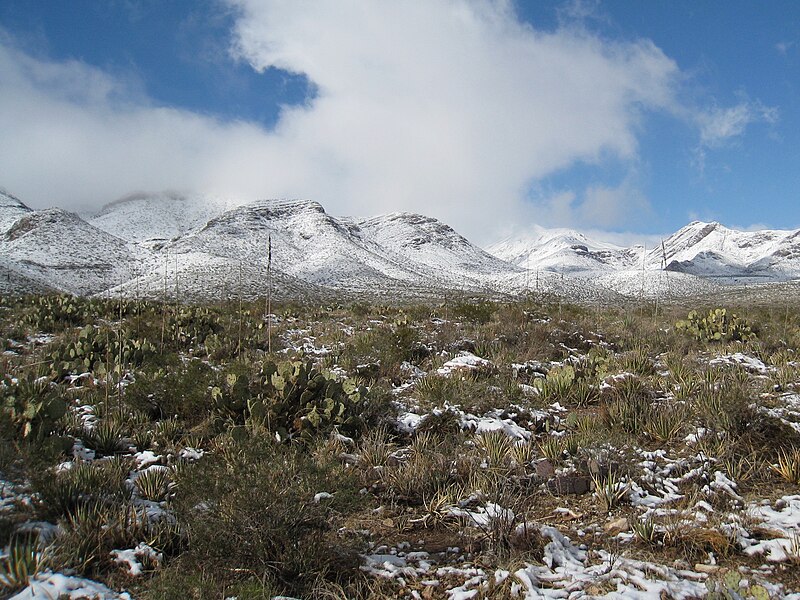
(214, 247)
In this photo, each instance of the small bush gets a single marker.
(250, 509)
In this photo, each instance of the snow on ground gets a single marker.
(787, 411)
(566, 571)
(749, 363)
(63, 587)
(465, 362)
(781, 520)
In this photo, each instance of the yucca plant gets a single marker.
(637, 361)
(610, 492)
(437, 506)
(143, 439)
(495, 448)
(646, 531)
(22, 561)
(106, 437)
(61, 494)
(583, 394)
(794, 548)
(375, 447)
(788, 465)
(571, 444)
(522, 453)
(551, 449)
(740, 468)
(94, 529)
(168, 431)
(154, 483)
(665, 422)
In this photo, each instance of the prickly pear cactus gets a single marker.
(96, 351)
(32, 404)
(719, 325)
(47, 313)
(193, 324)
(296, 397)
(229, 399)
(729, 587)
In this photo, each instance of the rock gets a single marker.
(616, 526)
(703, 568)
(562, 485)
(544, 469)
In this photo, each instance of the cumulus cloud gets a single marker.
(447, 107)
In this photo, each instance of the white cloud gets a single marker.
(783, 48)
(719, 125)
(447, 107)
(599, 207)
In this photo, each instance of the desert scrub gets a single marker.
(252, 511)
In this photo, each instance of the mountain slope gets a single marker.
(199, 248)
(307, 243)
(713, 250)
(157, 218)
(11, 209)
(433, 249)
(66, 252)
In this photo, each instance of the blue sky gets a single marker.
(630, 118)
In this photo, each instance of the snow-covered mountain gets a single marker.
(433, 249)
(153, 219)
(713, 250)
(201, 248)
(11, 209)
(565, 251)
(63, 252)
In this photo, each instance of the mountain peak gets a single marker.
(8, 200)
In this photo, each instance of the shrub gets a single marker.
(250, 509)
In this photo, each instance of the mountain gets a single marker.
(713, 250)
(433, 249)
(565, 251)
(198, 248)
(61, 251)
(153, 219)
(11, 209)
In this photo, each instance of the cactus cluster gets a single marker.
(296, 397)
(96, 351)
(229, 399)
(46, 312)
(51, 313)
(289, 398)
(718, 325)
(32, 404)
(193, 324)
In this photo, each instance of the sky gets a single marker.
(623, 119)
